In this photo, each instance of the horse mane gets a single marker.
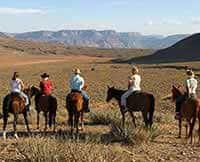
(176, 91)
(117, 92)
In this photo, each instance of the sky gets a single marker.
(163, 17)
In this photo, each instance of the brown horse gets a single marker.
(143, 101)
(190, 109)
(15, 104)
(46, 104)
(75, 105)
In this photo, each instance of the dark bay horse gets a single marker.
(75, 108)
(143, 101)
(190, 109)
(46, 104)
(15, 104)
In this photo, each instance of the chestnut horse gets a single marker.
(190, 109)
(15, 104)
(46, 104)
(143, 101)
(75, 108)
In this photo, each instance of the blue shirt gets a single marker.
(76, 82)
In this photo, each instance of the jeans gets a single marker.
(85, 96)
(26, 97)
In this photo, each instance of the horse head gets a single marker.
(176, 92)
(34, 90)
(109, 93)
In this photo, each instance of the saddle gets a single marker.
(16, 94)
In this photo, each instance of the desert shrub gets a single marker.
(133, 135)
(50, 150)
(105, 116)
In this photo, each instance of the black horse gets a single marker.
(142, 101)
(46, 104)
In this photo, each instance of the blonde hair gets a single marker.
(135, 70)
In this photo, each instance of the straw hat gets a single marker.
(135, 69)
(77, 71)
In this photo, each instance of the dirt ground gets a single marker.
(157, 79)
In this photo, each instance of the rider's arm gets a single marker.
(22, 84)
(82, 82)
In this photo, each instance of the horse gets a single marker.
(46, 104)
(190, 110)
(143, 101)
(15, 104)
(75, 108)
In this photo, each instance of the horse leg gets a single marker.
(71, 120)
(133, 118)
(123, 119)
(82, 121)
(26, 121)
(38, 120)
(192, 123)
(45, 116)
(144, 114)
(186, 129)
(77, 115)
(180, 127)
(5, 120)
(15, 126)
(54, 122)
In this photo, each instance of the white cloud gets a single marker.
(163, 22)
(21, 11)
(195, 20)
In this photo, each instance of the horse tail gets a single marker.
(152, 108)
(5, 106)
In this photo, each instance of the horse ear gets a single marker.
(108, 86)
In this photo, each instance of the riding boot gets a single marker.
(86, 106)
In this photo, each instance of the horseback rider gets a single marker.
(191, 87)
(17, 86)
(191, 84)
(46, 85)
(133, 87)
(76, 84)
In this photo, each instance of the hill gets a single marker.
(184, 51)
(101, 39)
(11, 45)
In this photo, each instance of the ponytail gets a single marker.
(15, 75)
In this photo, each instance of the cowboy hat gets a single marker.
(77, 71)
(44, 75)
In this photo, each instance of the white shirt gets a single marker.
(77, 82)
(16, 85)
(191, 84)
(134, 82)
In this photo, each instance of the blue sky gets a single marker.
(145, 16)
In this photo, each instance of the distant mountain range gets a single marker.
(101, 39)
(185, 50)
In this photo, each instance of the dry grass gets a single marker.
(103, 138)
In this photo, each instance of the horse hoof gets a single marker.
(16, 136)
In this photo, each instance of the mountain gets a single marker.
(102, 39)
(185, 50)
(9, 45)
